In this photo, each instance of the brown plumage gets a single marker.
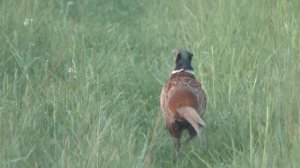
(183, 100)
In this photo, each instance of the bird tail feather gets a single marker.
(191, 115)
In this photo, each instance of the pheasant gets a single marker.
(183, 100)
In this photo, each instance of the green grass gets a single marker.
(80, 82)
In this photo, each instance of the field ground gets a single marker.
(80, 82)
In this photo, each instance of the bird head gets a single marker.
(183, 59)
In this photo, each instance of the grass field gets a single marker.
(80, 82)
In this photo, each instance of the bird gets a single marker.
(183, 100)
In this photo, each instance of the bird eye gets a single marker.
(190, 56)
(178, 57)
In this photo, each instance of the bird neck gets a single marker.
(182, 70)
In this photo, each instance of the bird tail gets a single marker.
(191, 115)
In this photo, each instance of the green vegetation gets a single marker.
(80, 82)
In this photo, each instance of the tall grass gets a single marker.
(80, 82)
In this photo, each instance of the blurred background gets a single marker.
(80, 82)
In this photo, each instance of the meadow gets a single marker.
(80, 82)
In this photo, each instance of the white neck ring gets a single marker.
(181, 70)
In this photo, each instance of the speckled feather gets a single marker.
(180, 80)
(183, 100)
